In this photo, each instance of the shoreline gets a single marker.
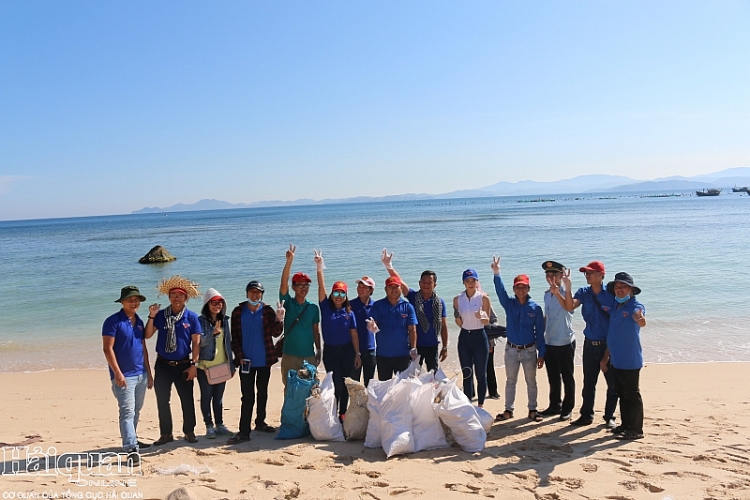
(697, 445)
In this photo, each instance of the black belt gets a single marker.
(596, 342)
(173, 363)
(472, 331)
(521, 347)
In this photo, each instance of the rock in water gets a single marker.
(157, 255)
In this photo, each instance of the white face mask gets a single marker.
(253, 303)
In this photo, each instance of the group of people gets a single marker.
(354, 336)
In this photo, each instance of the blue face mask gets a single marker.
(253, 303)
(622, 300)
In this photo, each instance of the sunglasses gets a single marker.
(216, 302)
(338, 294)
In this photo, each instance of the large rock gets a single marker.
(156, 255)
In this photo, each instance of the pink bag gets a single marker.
(218, 374)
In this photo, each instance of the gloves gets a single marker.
(372, 327)
(413, 353)
(386, 259)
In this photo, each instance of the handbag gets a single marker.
(279, 345)
(494, 331)
(218, 373)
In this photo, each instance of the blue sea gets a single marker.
(59, 277)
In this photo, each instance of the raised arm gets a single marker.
(387, 260)
(320, 265)
(284, 286)
(502, 295)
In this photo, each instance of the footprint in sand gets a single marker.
(635, 485)
(405, 492)
(588, 467)
(571, 482)
(463, 488)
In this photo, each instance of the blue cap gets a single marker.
(470, 273)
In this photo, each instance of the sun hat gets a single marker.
(469, 273)
(393, 280)
(623, 278)
(521, 279)
(340, 286)
(178, 283)
(367, 281)
(594, 265)
(130, 291)
(550, 266)
(299, 277)
(255, 285)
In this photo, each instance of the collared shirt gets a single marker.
(128, 345)
(624, 336)
(597, 322)
(184, 330)
(299, 340)
(558, 330)
(524, 322)
(430, 337)
(361, 313)
(393, 322)
(253, 346)
(336, 324)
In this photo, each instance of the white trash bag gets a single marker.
(396, 418)
(357, 414)
(321, 412)
(427, 429)
(485, 417)
(460, 416)
(376, 390)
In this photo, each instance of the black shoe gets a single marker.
(164, 439)
(629, 435)
(618, 430)
(190, 437)
(494, 396)
(582, 421)
(133, 459)
(143, 446)
(566, 416)
(550, 411)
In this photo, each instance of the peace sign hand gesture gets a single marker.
(290, 252)
(386, 259)
(566, 278)
(280, 311)
(495, 264)
(320, 265)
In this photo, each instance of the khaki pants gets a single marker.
(289, 362)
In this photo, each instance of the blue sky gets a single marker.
(107, 107)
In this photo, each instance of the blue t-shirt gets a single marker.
(524, 323)
(336, 324)
(428, 338)
(597, 323)
(624, 336)
(361, 313)
(128, 343)
(184, 330)
(393, 321)
(253, 342)
(558, 329)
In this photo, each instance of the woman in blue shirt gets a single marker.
(340, 340)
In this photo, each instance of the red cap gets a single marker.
(521, 279)
(594, 265)
(299, 277)
(178, 289)
(393, 280)
(340, 286)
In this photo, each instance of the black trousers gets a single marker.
(367, 369)
(259, 378)
(339, 359)
(429, 356)
(559, 363)
(164, 377)
(387, 366)
(491, 378)
(592, 357)
(631, 405)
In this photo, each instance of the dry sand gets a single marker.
(697, 445)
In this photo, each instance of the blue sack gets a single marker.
(293, 423)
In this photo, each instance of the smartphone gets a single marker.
(245, 366)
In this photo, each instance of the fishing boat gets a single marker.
(743, 189)
(709, 192)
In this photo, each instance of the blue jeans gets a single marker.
(130, 401)
(473, 350)
(514, 360)
(592, 356)
(212, 396)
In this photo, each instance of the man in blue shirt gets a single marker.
(525, 340)
(625, 355)
(561, 344)
(431, 315)
(125, 350)
(595, 306)
(393, 321)
(178, 351)
(361, 306)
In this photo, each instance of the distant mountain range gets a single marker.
(725, 179)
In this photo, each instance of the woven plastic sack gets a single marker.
(293, 423)
(396, 418)
(485, 418)
(460, 416)
(357, 415)
(426, 427)
(321, 412)
(376, 390)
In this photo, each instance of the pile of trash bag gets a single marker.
(321, 412)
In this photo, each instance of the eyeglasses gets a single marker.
(338, 294)
(216, 302)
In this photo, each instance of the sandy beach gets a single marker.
(697, 445)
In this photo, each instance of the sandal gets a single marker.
(534, 416)
(264, 427)
(506, 415)
(238, 438)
